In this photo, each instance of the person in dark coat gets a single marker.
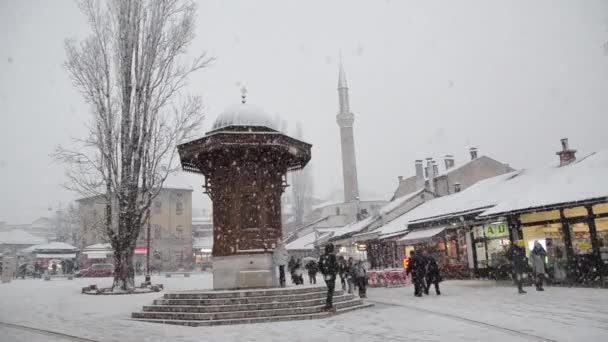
(312, 269)
(417, 269)
(433, 276)
(517, 255)
(291, 267)
(350, 274)
(360, 278)
(328, 265)
(538, 256)
(342, 271)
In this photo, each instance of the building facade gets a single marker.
(170, 229)
(449, 178)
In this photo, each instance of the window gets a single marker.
(179, 204)
(179, 232)
(157, 231)
(158, 206)
(337, 210)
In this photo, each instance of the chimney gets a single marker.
(473, 151)
(456, 187)
(419, 175)
(449, 161)
(430, 166)
(566, 155)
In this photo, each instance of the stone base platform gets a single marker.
(208, 308)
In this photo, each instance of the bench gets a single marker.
(186, 274)
(58, 276)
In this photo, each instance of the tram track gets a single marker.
(45, 332)
(468, 320)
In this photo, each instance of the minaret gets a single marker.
(345, 120)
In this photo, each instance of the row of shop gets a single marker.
(564, 208)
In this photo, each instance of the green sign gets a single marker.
(497, 230)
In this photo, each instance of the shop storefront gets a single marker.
(491, 245)
(575, 240)
(446, 244)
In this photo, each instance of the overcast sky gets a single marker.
(426, 78)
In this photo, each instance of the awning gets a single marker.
(96, 255)
(421, 235)
(55, 256)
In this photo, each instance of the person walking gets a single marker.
(538, 256)
(517, 255)
(291, 266)
(433, 277)
(360, 278)
(280, 256)
(350, 274)
(312, 269)
(298, 273)
(328, 265)
(416, 268)
(342, 271)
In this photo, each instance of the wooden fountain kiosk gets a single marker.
(244, 159)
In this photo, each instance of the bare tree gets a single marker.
(131, 69)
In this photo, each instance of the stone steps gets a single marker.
(255, 313)
(199, 323)
(246, 293)
(194, 299)
(244, 307)
(198, 308)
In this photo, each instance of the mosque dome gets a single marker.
(246, 115)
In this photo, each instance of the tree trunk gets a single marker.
(124, 273)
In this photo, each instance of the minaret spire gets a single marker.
(346, 119)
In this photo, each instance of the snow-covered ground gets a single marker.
(467, 311)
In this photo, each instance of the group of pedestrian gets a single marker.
(352, 273)
(424, 271)
(517, 254)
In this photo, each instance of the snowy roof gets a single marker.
(58, 246)
(421, 234)
(584, 179)
(358, 226)
(397, 202)
(20, 237)
(518, 190)
(203, 242)
(307, 241)
(244, 114)
(98, 246)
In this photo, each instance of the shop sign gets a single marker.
(141, 250)
(497, 230)
(362, 247)
(584, 246)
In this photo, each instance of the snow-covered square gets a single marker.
(466, 311)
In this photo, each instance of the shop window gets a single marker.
(601, 226)
(540, 216)
(491, 243)
(551, 237)
(158, 205)
(575, 212)
(600, 208)
(157, 231)
(581, 239)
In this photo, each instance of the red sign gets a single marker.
(141, 250)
